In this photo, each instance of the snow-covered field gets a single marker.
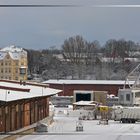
(64, 128)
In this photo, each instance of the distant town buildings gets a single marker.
(13, 63)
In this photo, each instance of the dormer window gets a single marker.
(7, 57)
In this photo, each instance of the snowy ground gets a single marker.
(64, 128)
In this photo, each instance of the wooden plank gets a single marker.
(32, 110)
(36, 111)
(13, 118)
(17, 116)
(26, 114)
(2, 119)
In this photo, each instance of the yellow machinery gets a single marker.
(104, 110)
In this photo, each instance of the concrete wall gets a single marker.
(100, 96)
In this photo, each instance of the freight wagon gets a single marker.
(126, 114)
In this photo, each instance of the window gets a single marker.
(16, 78)
(127, 97)
(1, 63)
(121, 98)
(16, 70)
(23, 71)
(1, 70)
(137, 94)
(7, 56)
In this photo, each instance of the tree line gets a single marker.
(80, 59)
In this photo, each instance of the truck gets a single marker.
(126, 114)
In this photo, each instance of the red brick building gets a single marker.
(22, 104)
(68, 86)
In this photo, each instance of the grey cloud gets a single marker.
(45, 27)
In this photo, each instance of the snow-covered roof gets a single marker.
(118, 59)
(132, 59)
(95, 82)
(35, 91)
(12, 48)
(86, 103)
(129, 90)
(14, 55)
(2, 55)
(110, 59)
(13, 51)
(112, 96)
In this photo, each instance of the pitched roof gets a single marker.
(13, 51)
(15, 91)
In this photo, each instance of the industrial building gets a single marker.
(68, 86)
(22, 104)
(89, 95)
(13, 63)
(129, 97)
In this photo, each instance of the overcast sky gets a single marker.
(39, 28)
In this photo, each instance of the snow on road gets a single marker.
(64, 128)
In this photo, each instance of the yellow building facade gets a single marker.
(13, 63)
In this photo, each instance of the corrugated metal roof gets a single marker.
(96, 82)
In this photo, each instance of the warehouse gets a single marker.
(22, 104)
(85, 95)
(68, 86)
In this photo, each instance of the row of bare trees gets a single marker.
(83, 60)
(77, 50)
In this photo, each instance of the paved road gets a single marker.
(64, 128)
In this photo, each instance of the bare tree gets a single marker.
(74, 49)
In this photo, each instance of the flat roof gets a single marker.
(87, 82)
(132, 90)
(86, 103)
(11, 91)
